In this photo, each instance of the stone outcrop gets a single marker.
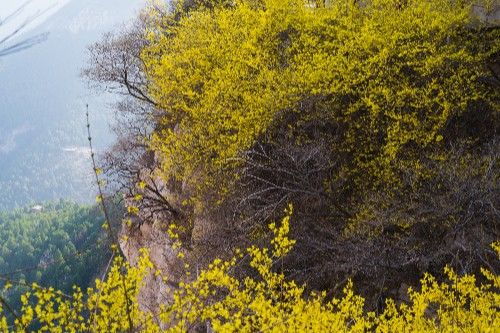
(154, 238)
(488, 14)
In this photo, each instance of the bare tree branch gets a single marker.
(25, 43)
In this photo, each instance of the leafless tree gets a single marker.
(115, 66)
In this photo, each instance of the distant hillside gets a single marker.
(42, 132)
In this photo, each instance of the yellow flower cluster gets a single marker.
(264, 302)
(390, 73)
(282, 244)
(109, 307)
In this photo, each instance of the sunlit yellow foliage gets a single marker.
(110, 307)
(264, 302)
(390, 73)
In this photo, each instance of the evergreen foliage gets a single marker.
(60, 246)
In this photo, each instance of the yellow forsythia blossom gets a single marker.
(262, 302)
(390, 73)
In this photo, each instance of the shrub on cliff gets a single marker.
(377, 119)
(373, 118)
(378, 83)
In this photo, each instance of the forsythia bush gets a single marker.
(110, 307)
(388, 75)
(264, 302)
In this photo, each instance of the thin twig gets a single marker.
(113, 236)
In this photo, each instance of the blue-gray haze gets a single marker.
(43, 143)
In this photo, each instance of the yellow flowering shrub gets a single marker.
(390, 74)
(265, 301)
(110, 306)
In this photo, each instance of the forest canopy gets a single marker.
(60, 246)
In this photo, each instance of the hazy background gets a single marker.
(43, 143)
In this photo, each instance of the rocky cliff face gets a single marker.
(489, 14)
(161, 206)
(154, 237)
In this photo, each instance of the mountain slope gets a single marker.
(43, 153)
